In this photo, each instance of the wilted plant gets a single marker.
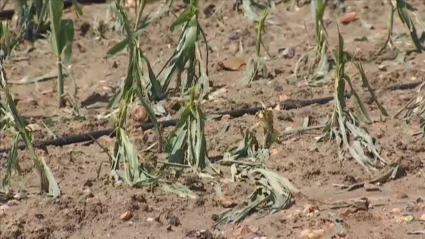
(316, 62)
(257, 63)
(133, 85)
(187, 144)
(187, 57)
(344, 126)
(272, 192)
(403, 9)
(10, 118)
(414, 108)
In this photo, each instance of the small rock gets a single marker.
(169, 228)
(209, 10)
(4, 207)
(126, 216)
(253, 229)
(347, 211)
(312, 234)
(422, 217)
(287, 53)
(370, 187)
(94, 201)
(150, 219)
(34, 127)
(234, 35)
(225, 117)
(348, 17)
(139, 114)
(396, 210)
(106, 140)
(408, 218)
(401, 196)
(232, 63)
(382, 67)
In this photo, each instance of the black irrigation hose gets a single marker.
(8, 14)
(286, 105)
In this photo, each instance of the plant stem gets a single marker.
(61, 102)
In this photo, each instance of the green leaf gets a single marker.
(67, 39)
(118, 47)
(56, 8)
(184, 17)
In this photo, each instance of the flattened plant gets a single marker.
(345, 124)
(403, 10)
(187, 144)
(272, 192)
(11, 119)
(315, 64)
(257, 64)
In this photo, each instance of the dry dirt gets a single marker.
(91, 207)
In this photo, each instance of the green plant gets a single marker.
(344, 125)
(10, 118)
(60, 39)
(316, 62)
(257, 63)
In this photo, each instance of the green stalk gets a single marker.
(61, 101)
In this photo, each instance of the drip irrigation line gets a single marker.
(286, 105)
(8, 13)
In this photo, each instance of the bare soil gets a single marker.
(91, 207)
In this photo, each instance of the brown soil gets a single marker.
(91, 207)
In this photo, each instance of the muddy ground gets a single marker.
(91, 207)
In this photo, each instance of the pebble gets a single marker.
(126, 216)
(287, 53)
(312, 234)
(370, 187)
(422, 218)
(396, 210)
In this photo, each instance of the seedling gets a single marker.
(257, 63)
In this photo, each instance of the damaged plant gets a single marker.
(316, 63)
(344, 125)
(415, 108)
(187, 57)
(11, 119)
(272, 192)
(403, 9)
